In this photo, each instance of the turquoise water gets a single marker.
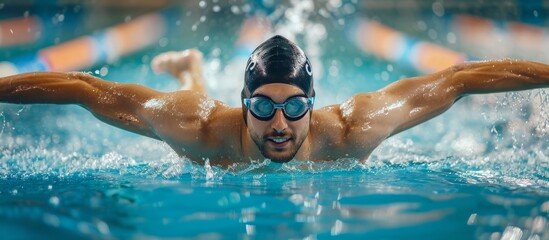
(386, 202)
(479, 171)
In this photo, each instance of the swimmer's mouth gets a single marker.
(279, 140)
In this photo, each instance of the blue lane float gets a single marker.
(104, 46)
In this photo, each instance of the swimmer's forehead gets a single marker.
(278, 91)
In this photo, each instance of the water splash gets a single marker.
(3, 123)
(72, 143)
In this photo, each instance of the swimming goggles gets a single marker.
(263, 108)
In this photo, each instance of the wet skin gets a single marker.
(199, 128)
(278, 139)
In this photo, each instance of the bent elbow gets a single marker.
(456, 83)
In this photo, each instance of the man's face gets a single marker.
(278, 139)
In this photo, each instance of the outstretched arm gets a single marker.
(114, 103)
(409, 102)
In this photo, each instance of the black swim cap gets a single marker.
(278, 60)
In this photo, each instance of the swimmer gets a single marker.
(277, 119)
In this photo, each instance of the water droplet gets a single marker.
(438, 9)
(102, 227)
(335, 4)
(235, 10)
(54, 201)
(451, 38)
(104, 71)
(472, 219)
(145, 58)
(324, 13)
(202, 4)
(349, 8)
(250, 229)
(216, 52)
(51, 219)
(512, 233)
(538, 224)
(545, 207)
(246, 8)
(385, 76)
(216, 8)
(234, 197)
(334, 71)
(163, 42)
(337, 228)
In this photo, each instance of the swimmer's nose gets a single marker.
(279, 121)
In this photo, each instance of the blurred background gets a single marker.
(368, 42)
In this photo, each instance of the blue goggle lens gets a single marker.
(264, 108)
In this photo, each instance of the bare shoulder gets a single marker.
(350, 129)
(351, 114)
(188, 119)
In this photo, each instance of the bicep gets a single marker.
(120, 105)
(416, 100)
(405, 103)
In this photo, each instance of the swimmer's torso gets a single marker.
(213, 131)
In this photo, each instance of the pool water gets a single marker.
(65, 175)
(272, 201)
(479, 171)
